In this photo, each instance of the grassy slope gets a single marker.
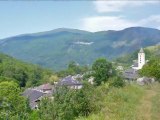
(132, 102)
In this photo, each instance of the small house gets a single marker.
(70, 82)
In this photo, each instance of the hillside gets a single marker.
(24, 74)
(150, 52)
(55, 49)
(155, 50)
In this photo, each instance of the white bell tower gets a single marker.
(141, 58)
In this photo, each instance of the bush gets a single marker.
(152, 69)
(116, 81)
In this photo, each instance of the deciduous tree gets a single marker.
(102, 70)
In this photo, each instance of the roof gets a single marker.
(135, 64)
(130, 74)
(45, 87)
(27, 92)
(141, 50)
(69, 81)
(32, 94)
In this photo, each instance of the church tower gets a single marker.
(141, 58)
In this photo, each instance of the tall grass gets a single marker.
(156, 104)
(119, 104)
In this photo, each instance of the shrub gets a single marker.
(116, 81)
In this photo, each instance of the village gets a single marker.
(75, 82)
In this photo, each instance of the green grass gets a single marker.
(131, 102)
(156, 104)
(120, 104)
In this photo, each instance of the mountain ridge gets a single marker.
(56, 48)
(71, 30)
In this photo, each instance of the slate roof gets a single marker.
(32, 94)
(27, 92)
(69, 81)
(130, 74)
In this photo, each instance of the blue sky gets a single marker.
(28, 17)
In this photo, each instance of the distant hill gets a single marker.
(56, 48)
(23, 73)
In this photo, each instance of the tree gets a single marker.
(12, 104)
(73, 69)
(67, 104)
(24, 74)
(53, 78)
(151, 69)
(102, 70)
(4, 79)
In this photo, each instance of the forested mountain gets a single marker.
(55, 49)
(23, 73)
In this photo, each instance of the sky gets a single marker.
(20, 17)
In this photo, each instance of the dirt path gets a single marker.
(144, 110)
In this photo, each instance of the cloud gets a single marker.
(99, 23)
(115, 6)
(152, 21)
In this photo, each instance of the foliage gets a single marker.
(118, 104)
(152, 69)
(12, 104)
(73, 68)
(154, 50)
(116, 81)
(67, 104)
(34, 115)
(4, 79)
(23, 73)
(53, 78)
(102, 70)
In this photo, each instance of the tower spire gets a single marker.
(141, 50)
